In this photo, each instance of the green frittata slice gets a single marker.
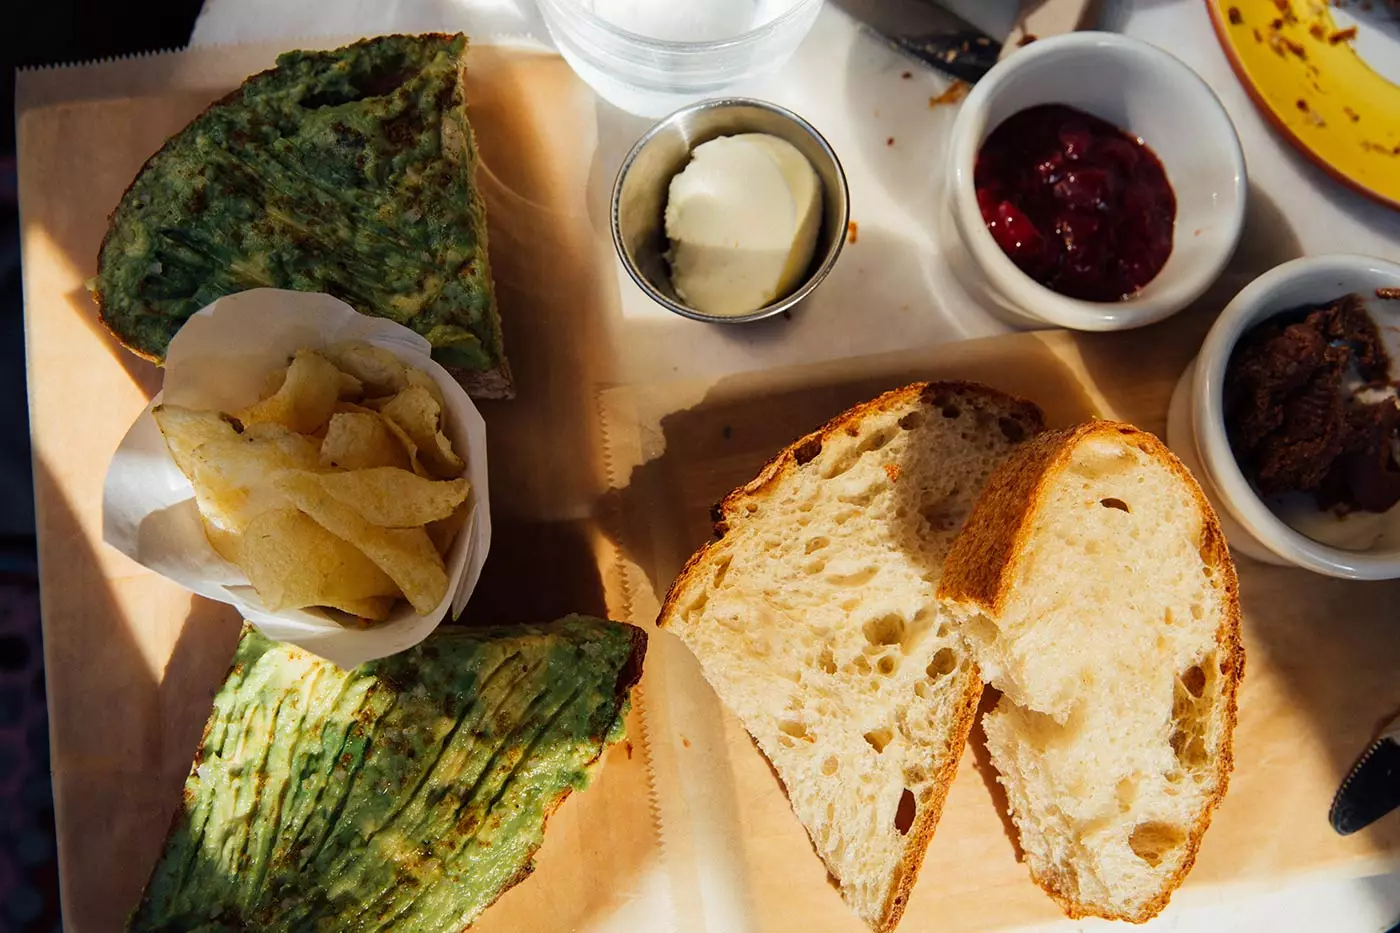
(351, 172)
(406, 794)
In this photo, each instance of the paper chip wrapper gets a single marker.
(220, 359)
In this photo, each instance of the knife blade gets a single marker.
(1372, 788)
(929, 33)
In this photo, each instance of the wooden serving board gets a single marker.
(132, 661)
(1322, 671)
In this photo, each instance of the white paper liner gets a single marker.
(220, 359)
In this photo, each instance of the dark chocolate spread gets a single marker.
(1298, 414)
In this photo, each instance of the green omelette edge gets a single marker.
(405, 794)
(350, 172)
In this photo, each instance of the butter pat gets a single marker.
(742, 219)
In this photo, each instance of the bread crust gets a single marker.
(731, 510)
(982, 566)
(786, 461)
(921, 835)
(494, 383)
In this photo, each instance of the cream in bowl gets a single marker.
(742, 220)
(1290, 413)
(729, 211)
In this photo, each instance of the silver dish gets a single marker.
(643, 182)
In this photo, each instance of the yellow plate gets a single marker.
(1299, 61)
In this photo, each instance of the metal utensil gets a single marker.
(929, 33)
(1372, 789)
(643, 182)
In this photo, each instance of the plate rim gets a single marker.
(1266, 109)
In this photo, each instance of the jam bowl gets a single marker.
(1113, 197)
(1272, 529)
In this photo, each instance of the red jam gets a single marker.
(1080, 206)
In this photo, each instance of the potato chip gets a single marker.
(337, 489)
(186, 429)
(441, 459)
(394, 497)
(350, 387)
(417, 377)
(360, 440)
(380, 371)
(370, 609)
(406, 443)
(233, 477)
(269, 431)
(272, 382)
(405, 554)
(227, 544)
(444, 531)
(293, 562)
(306, 398)
(415, 411)
(376, 404)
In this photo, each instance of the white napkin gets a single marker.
(220, 359)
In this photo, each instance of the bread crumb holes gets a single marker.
(878, 739)
(888, 629)
(1152, 841)
(943, 663)
(904, 815)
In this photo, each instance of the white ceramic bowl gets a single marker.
(1196, 426)
(1145, 92)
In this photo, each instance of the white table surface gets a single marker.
(891, 289)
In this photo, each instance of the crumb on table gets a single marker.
(889, 140)
(852, 231)
(951, 94)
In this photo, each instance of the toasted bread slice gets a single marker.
(814, 617)
(1095, 589)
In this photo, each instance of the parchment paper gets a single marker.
(1322, 654)
(132, 660)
